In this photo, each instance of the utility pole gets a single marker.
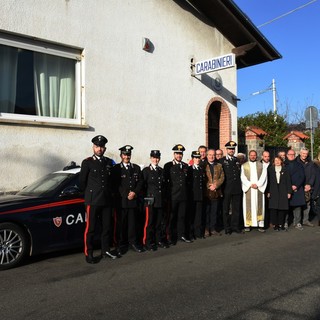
(274, 96)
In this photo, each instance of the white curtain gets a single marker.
(54, 82)
(8, 78)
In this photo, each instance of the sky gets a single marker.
(296, 37)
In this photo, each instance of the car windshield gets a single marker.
(46, 185)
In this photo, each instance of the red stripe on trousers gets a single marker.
(86, 231)
(145, 226)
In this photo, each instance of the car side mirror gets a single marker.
(70, 191)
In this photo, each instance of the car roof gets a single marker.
(72, 171)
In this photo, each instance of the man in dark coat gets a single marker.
(128, 182)
(153, 177)
(96, 183)
(232, 190)
(176, 178)
(297, 201)
(310, 172)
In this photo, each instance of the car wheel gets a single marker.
(13, 245)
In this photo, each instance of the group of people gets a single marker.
(156, 207)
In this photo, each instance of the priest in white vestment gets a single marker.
(254, 183)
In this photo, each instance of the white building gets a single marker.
(72, 69)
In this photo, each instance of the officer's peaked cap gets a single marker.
(195, 154)
(155, 153)
(99, 141)
(230, 145)
(126, 149)
(178, 148)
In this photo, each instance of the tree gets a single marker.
(276, 127)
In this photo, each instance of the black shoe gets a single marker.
(238, 231)
(119, 253)
(184, 239)
(109, 255)
(229, 232)
(136, 248)
(151, 247)
(92, 260)
(172, 243)
(163, 245)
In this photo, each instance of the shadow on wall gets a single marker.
(17, 172)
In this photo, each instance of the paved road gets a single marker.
(252, 276)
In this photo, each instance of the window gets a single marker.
(39, 81)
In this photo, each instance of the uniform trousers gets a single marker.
(177, 225)
(126, 226)
(196, 219)
(96, 215)
(153, 225)
(231, 219)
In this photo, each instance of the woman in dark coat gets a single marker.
(279, 192)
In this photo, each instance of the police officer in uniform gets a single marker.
(95, 181)
(176, 177)
(128, 184)
(153, 178)
(196, 196)
(232, 190)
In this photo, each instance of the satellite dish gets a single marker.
(311, 116)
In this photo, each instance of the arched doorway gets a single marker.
(214, 113)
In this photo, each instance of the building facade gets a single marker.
(72, 69)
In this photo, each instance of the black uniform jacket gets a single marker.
(126, 180)
(95, 181)
(197, 183)
(176, 178)
(154, 185)
(278, 192)
(232, 171)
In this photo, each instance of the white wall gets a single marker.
(148, 100)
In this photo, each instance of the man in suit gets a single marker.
(176, 177)
(96, 183)
(128, 183)
(153, 177)
(232, 191)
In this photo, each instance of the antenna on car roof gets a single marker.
(71, 165)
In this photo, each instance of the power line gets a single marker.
(285, 14)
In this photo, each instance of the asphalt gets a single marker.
(275, 275)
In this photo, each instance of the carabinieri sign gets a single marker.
(214, 64)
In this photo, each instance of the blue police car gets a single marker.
(46, 216)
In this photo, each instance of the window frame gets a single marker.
(55, 49)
